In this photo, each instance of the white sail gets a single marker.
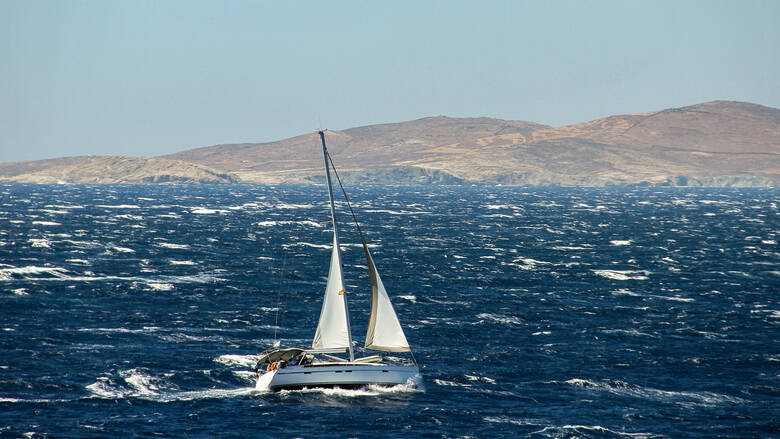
(333, 330)
(384, 329)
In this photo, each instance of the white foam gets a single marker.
(676, 397)
(618, 242)
(204, 211)
(500, 318)
(568, 430)
(673, 298)
(263, 383)
(174, 262)
(450, 383)
(293, 206)
(119, 206)
(139, 384)
(625, 291)
(622, 274)
(279, 223)
(570, 247)
(20, 292)
(8, 273)
(411, 385)
(40, 242)
(235, 360)
(528, 263)
(396, 212)
(160, 286)
(46, 223)
(508, 420)
(122, 249)
(309, 244)
(172, 245)
(480, 378)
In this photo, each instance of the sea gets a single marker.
(139, 310)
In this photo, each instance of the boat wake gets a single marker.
(139, 384)
(410, 386)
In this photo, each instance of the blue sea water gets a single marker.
(136, 311)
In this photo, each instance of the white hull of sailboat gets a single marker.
(343, 375)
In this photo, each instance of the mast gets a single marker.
(337, 248)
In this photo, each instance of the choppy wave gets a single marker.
(622, 274)
(682, 398)
(142, 298)
(138, 384)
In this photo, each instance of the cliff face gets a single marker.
(717, 143)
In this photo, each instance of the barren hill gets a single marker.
(111, 170)
(718, 143)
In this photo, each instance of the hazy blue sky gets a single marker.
(148, 78)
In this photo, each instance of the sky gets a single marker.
(148, 78)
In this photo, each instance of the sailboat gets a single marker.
(331, 362)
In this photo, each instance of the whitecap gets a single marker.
(293, 206)
(139, 384)
(40, 242)
(396, 212)
(119, 206)
(235, 360)
(160, 286)
(122, 249)
(172, 245)
(625, 291)
(673, 298)
(622, 274)
(619, 242)
(309, 244)
(570, 247)
(450, 383)
(46, 223)
(175, 262)
(204, 211)
(14, 272)
(500, 318)
(411, 385)
(683, 398)
(508, 420)
(480, 378)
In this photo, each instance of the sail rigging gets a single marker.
(291, 368)
(384, 332)
(333, 329)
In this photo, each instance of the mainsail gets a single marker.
(333, 330)
(384, 330)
